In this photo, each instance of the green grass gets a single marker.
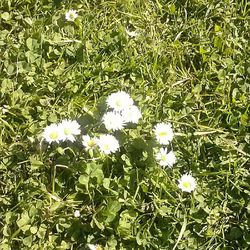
(188, 65)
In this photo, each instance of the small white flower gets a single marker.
(164, 133)
(69, 129)
(52, 133)
(113, 121)
(131, 33)
(119, 101)
(71, 15)
(166, 159)
(108, 144)
(77, 213)
(187, 183)
(94, 247)
(131, 114)
(89, 143)
(5, 108)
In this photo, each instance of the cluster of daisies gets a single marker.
(64, 131)
(121, 112)
(67, 130)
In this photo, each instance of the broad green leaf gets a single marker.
(106, 183)
(5, 16)
(24, 220)
(84, 179)
(32, 44)
(28, 241)
(33, 229)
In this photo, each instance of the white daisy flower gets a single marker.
(131, 33)
(166, 159)
(69, 129)
(131, 114)
(71, 15)
(94, 247)
(164, 133)
(89, 143)
(113, 121)
(119, 101)
(187, 183)
(108, 144)
(77, 213)
(52, 133)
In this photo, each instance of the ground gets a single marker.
(183, 62)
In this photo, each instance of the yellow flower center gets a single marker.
(67, 131)
(186, 184)
(163, 157)
(163, 133)
(118, 103)
(72, 15)
(91, 143)
(53, 135)
(106, 147)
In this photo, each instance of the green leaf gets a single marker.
(55, 206)
(52, 117)
(106, 183)
(42, 231)
(244, 119)
(60, 150)
(84, 180)
(24, 220)
(25, 228)
(5, 246)
(33, 229)
(34, 163)
(98, 174)
(126, 222)
(94, 170)
(110, 212)
(217, 28)
(28, 20)
(28, 241)
(97, 223)
(235, 233)
(5, 16)
(32, 43)
(164, 210)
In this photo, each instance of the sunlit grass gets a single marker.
(183, 62)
